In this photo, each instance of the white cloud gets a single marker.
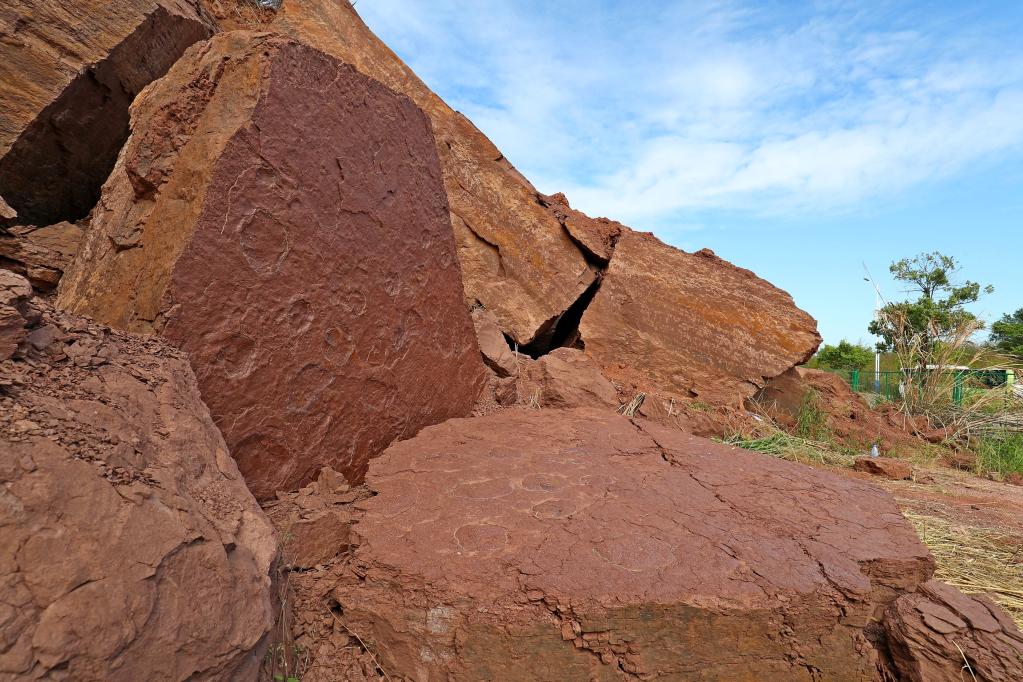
(641, 110)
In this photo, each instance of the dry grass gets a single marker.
(629, 409)
(783, 445)
(929, 393)
(976, 560)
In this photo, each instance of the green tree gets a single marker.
(844, 356)
(1007, 333)
(939, 308)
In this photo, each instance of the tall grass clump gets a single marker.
(1001, 452)
(811, 419)
(930, 379)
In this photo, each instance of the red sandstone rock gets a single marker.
(7, 213)
(300, 253)
(40, 253)
(16, 311)
(848, 416)
(130, 548)
(595, 236)
(565, 378)
(533, 261)
(493, 346)
(68, 71)
(577, 545)
(691, 325)
(516, 258)
(314, 522)
(938, 634)
(895, 469)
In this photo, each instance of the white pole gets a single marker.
(877, 316)
(877, 353)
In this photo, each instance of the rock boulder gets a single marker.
(130, 548)
(517, 259)
(938, 634)
(579, 544)
(301, 254)
(888, 467)
(692, 325)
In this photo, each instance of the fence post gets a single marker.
(854, 379)
(957, 389)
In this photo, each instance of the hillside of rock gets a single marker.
(313, 286)
(130, 548)
(471, 413)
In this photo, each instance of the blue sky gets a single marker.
(800, 140)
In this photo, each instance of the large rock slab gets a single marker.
(579, 545)
(300, 253)
(68, 71)
(938, 634)
(692, 325)
(130, 548)
(516, 258)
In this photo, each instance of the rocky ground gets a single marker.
(477, 421)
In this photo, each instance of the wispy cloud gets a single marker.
(645, 111)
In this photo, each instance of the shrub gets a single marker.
(844, 356)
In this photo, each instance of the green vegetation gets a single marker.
(939, 309)
(845, 355)
(812, 420)
(1007, 334)
(1001, 452)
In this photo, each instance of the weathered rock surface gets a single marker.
(595, 236)
(130, 548)
(315, 520)
(516, 258)
(300, 254)
(68, 71)
(40, 253)
(7, 214)
(565, 378)
(493, 346)
(848, 416)
(889, 467)
(938, 634)
(583, 545)
(691, 324)
(16, 312)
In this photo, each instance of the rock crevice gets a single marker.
(52, 167)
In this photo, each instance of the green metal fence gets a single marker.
(892, 385)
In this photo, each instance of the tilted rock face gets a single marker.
(692, 324)
(300, 253)
(130, 548)
(939, 634)
(516, 258)
(534, 262)
(579, 545)
(68, 71)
